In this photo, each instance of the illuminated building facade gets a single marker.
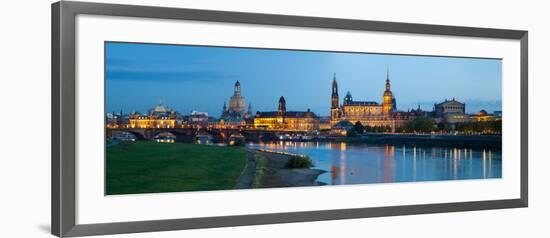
(232, 122)
(158, 117)
(369, 113)
(287, 120)
(484, 116)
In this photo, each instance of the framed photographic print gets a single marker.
(166, 118)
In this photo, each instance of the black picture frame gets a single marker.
(63, 117)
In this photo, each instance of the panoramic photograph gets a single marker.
(182, 118)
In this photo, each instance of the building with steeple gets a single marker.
(368, 113)
(287, 120)
(388, 99)
(249, 111)
(334, 96)
(334, 101)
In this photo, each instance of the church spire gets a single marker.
(334, 96)
(388, 85)
(388, 99)
(249, 111)
(282, 106)
(334, 85)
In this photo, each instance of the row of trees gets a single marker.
(419, 124)
(489, 127)
(358, 128)
(428, 125)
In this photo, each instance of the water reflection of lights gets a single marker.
(352, 163)
(389, 157)
(471, 162)
(484, 164)
(457, 156)
(343, 146)
(490, 164)
(414, 163)
(342, 166)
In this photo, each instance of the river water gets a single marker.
(352, 163)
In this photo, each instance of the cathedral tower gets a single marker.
(335, 103)
(334, 97)
(282, 106)
(388, 99)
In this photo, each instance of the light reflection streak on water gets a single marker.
(484, 164)
(403, 158)
(414, 163)
(342, 170)
(490, 164)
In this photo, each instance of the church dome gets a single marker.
(348, 99)
(160, 109)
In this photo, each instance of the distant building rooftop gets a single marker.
(360, 103)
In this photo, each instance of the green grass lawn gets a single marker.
(149, 167)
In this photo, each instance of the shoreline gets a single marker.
(266, 169)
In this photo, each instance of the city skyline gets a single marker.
(188, 78)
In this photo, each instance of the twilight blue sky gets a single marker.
(190, 78)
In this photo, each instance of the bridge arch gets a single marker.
(139, 134)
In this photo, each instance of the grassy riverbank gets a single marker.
(148, 167)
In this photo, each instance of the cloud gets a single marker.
(152, 61)
(163, 75)
(154, 70)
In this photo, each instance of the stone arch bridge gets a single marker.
(189, 134)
